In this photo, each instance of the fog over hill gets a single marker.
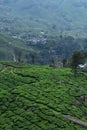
(57, 15)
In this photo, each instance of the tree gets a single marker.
(78, 57)
(17, 56)
(32, 58)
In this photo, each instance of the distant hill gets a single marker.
(52, 16)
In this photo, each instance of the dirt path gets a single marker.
(5, 68)
(76, 121)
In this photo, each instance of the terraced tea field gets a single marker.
(40, 98)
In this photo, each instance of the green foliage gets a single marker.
(34, 97)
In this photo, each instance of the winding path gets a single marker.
(76, 121)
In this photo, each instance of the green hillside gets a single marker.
(40, 98)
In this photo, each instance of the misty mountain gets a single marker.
(49, 15)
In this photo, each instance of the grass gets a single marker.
(37, 97)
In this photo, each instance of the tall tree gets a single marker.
(78, 57)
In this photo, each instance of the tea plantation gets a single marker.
(37, 98)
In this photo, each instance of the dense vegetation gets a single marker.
(34, 97)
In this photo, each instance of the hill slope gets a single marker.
(48, 15)
(37, 98)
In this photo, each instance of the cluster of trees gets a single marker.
(76, 62)
(77, 58)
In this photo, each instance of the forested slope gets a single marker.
(43, 51)
(48, 15)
